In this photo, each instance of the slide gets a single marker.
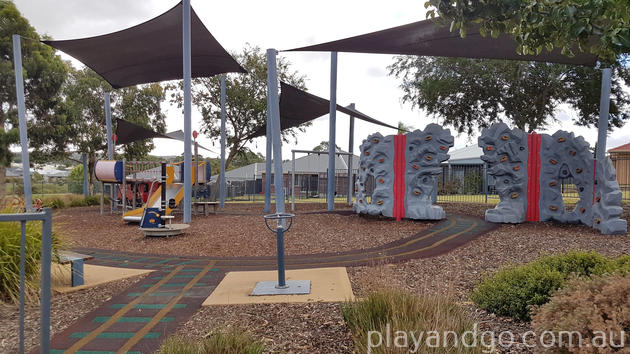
(173, 191)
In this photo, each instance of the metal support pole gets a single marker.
(292, 180)
(187, 108)
(124, 186)
(350, 150)
(22, 282)
(280, 247)
(272, 89)
(196, 173)
(102, 196)
(86, 192)
(604, 108)
(19, 90)
(485, 180)
(163, 201)
(46, 260)
(268, 157)
(331, 132)
(223, 141)
(108, 122)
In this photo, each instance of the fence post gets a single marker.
(46, 260)
(485, 180)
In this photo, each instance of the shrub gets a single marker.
(216, 342)
(391, 311)
(512, 290)
(77, 202)
(10, 233)
(596, 310)
(95, 200)
(54, 202)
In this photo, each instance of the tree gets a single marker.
(403, 128)
(323, 146)
(82, 108)
(43, 73)
(246, 100)
(601, 27)
(473, 93)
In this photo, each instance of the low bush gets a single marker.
(78, 202)
(94, 200)
(390, 313)
(514, 289)
(595, 311)
(216, 342)
(54, 202)
(10, 233)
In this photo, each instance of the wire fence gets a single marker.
(463, 183)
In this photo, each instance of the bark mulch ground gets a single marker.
(237, 231)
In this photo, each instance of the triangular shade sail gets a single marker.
(425, 38)
(298, 107)
(127, 132)
(151, 51)
(179, 135)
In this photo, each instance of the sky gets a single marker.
(282, 24)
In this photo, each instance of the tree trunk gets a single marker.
(91, 162)
(3, 192)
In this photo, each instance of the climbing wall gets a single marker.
(528, 169)
(402, 169)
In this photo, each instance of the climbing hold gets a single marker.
(506, 181)
(380, 202)
(367, 153)
(362, 168)
(442, 147)
(598, 220)
(504, 158)
(415, 167)
(578, 170)
(380, 180)
(514, 195)
(599, 197)
(428, 157)
(553, 183)
(582, 210)
(562, 140)
(381, 160)
(428, 138)
(553, 162)
(553, 207)
(375, 140)
(489, 147)
(360, 200)
(516, 168)
(416, 192)
(505, 137)
(572, 153)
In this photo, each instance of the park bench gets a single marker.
(205, 206)
(76, 264)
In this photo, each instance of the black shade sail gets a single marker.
(298, 107)
(425, 38)
(151, 51)
(127, 132)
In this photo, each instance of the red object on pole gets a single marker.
(195, 134)
(114, 138)
(533, 177)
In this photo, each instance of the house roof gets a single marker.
(621, 148)
(469, 155)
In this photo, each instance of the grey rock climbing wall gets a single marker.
(376, 166)
(607, 208)
(424, 153)
(505, 151)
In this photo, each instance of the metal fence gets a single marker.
(46, 259)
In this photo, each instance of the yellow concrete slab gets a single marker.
(93, 275)
(327, 285)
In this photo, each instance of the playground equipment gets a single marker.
(402, 169)
(141, 185)
(527, 168)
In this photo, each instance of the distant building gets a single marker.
(620, 157)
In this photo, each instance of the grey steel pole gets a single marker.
(46, 260)
(108, 121)
(280, 248)
(86, 192)
(223, 140)
(124, 186)
(485, 180)
(330, 193)
(187, 108)
(350, 150)
(22, 282)
(19, 90)
(268, 157)
(604, 108)
(292, 180)
(272, 90)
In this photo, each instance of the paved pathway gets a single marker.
(141, 317)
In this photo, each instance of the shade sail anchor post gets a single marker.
(331, 132)
(19, 90)
(187, 180)
(223, 141)
(272, 91)
(350, 151)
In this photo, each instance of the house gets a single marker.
(620, 157)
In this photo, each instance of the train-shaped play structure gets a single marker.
(397, 177)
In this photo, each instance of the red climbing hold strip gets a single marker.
(400, 141)
(533, 177)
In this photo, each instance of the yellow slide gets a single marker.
(173, 191)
